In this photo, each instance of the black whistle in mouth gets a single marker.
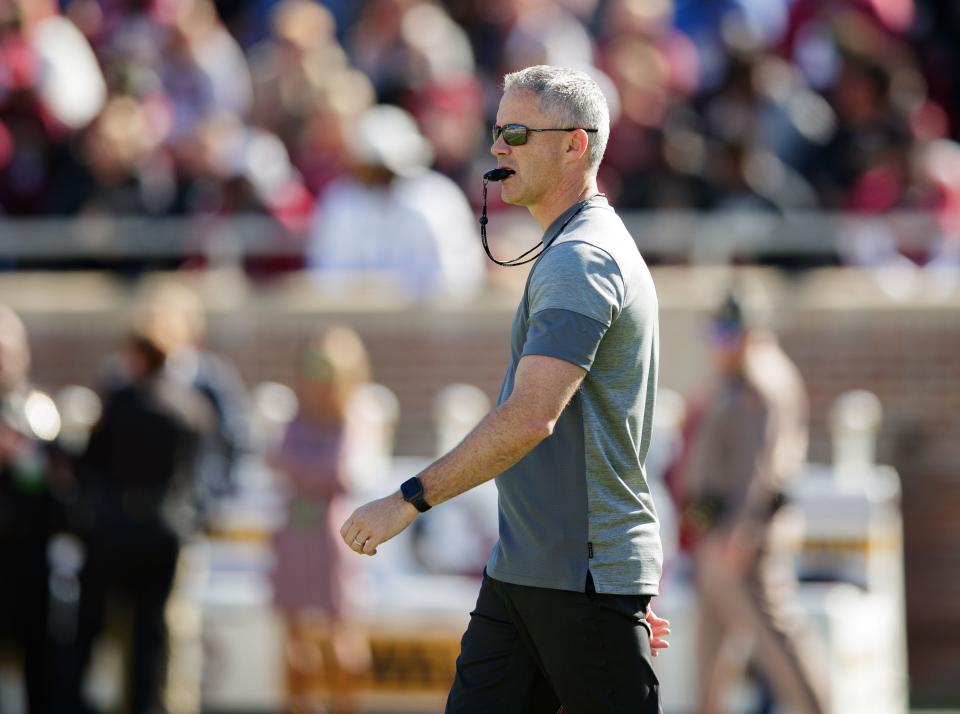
(498, 174)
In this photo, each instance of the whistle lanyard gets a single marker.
(519, 260)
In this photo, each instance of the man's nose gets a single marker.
(500, 147)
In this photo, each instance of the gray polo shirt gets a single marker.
(580, 500)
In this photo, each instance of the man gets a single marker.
(563, 613)
(222, 447)
(135, 507)
(749, 442)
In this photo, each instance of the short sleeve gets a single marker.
(565, 335)
(578, 277)
(576, 292)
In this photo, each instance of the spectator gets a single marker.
(217, 55)
(657, 153)
(313, 577)
(50, 85)
(393, 218)
(195, 366)
(451, 115)
(203, 70)
(870, 143)
(292, 66)
(322, 144)
(115, 166)
(402, 44)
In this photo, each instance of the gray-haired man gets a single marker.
(563, 613)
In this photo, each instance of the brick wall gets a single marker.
(840, 327)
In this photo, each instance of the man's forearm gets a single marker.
(543, 387)
(503, 437)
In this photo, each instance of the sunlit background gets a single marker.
(283, 197)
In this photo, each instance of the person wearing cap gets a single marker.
(393, 219)
(563, 614)
(749, 443)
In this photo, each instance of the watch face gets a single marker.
(412, 491)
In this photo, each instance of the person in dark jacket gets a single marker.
(223, 446)
(135, 486)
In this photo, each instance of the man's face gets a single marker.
(538, 162)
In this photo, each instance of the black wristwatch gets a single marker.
(412, 491)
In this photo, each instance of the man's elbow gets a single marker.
(531, 422)
(536, 429)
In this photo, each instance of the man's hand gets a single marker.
(660, 628)
(376, 523)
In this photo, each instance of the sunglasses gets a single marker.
(517, 134)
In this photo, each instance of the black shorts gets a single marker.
(528, 650)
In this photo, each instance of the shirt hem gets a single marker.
(537, 582)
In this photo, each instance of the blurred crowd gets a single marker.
(292, 109)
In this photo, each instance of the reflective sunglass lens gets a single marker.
(515, 135)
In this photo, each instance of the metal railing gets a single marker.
(674, 237)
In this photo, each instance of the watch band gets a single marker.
(412, 491)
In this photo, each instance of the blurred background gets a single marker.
(242, 290)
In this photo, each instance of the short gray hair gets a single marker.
(571, 97)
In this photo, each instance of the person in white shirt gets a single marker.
(393, 219)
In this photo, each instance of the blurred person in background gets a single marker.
(301, 76)
(306, 93)
(116, 166)
(313, 579)
(135, 508)
(194, 365)
(50, 87)
(657, 153)
(417, 57)
(864, 166)
(451, 115)
(509, 34)
(203, 70)
(749, 442)
(321, 145)
(292, 63)
(403, 44)
(763, 125)
(394, 219)
(32, 482)
(712, 24)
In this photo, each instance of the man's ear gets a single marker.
(577, 145)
